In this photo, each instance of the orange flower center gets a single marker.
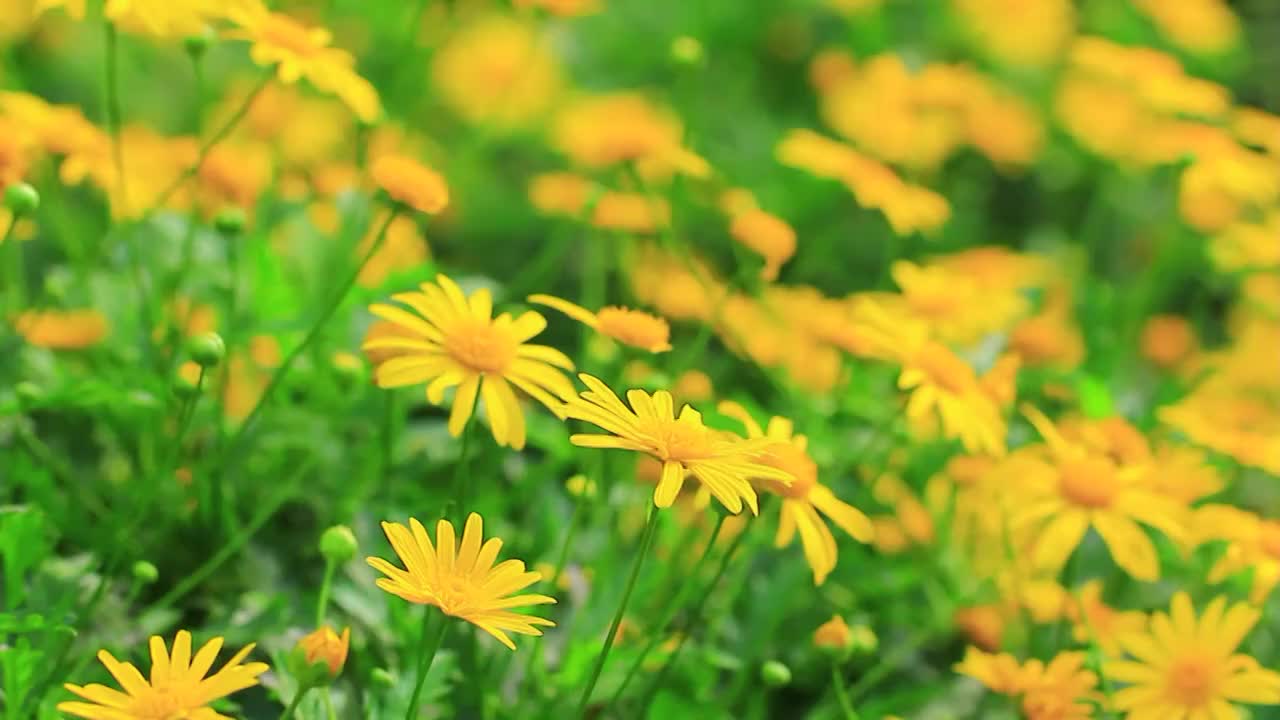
(454, 594)
(639, 329)
(1089, 483)
(681, 441)
(1270, 538)
(481, 347)
(284, 33)
(1191, 681)
(944, 368)
(788, 457)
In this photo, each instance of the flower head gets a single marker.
(804, 497)
(629, 327)
(324, 645)
(724, 464)
(298, 51)
(451, 339)
(462, 581)
(496, 71)
(408, 181)
(62, 329)
(768, 235)
(177, 687)
(1185, 666)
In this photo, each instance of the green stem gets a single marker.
(293, 704)
(328, 706)
(218, 136)
(695, 618)
(461, 476)
(334, 303)
(112, 80)
(673, 608)
(645, 542)
(837, 682)
(535, 655)
(13, 266)
(322, 603)
(427, 652)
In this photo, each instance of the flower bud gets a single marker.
(864, 639)
(686, 50)
(774, 674)
(197, 45)
(383, 678)
(580, 486)
(230, 221)
(145, 573)
(21, 198)
(338, 544)
(207, 349)
(318, 658)
(186, 383)
(834, 637)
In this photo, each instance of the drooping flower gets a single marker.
(1185, 667)
(297, 51)
(452, 339)
(1073, 488)
(177, 687)
(722, 463)
(460, 578)
(410, 182)
(804, 497)
(629, 327)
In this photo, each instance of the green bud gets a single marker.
(21, 198)
(145, 573)
(686, 50)
(774, 674)
(207, 349)
(863, 639)
(383, 678)
(230, 221)
(184, 385)
(197, 45)
(338, 544)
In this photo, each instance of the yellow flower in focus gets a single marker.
(496, 71)
(460, 578)
(1031, 33)
(62, 329)
(297, 51)
(630, 327)
(402, 249)
(1073, 488)
(178, 686)
(723, 464)
(324, 645)
(766, 235)
(1202, 26)
(804, 496)
(409, 182)
(452, 339)
(1186, 666)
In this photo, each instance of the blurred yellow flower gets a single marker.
(630, 327)
(324, 645)
(1033, 33)
(62, 329)
(766, 235)
(804, 497)
(1202, 26)
(178, 685)
(1062, 689)
(498, 71)
(1253, 544)
(410, 182)
(460, 578)
(296, 51)
(833, 634)
(1167, 340)
(453, 340)
(163, 18)
(1072, 489)
(1186, 666)
(571, 195)
(722, 463)
(602, 130)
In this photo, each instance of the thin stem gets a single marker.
(334, 303)
(328, 706)
(837, 682)
(673, 608)
(535, 654)
(218, 136)
(322, 603)
(461, 476)
(695, 618)
(645, 542)
(184, 422)
(13, 265)
(293, 704)
(111, 70)
(426, 654)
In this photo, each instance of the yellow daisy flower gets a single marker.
(453, 339)
(1073, 489)
(629, 327)
(1185, 667)
(409, 182)
(804, 497)
(462, 581)
(723, 463)
(297, 51)
(177, 687)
